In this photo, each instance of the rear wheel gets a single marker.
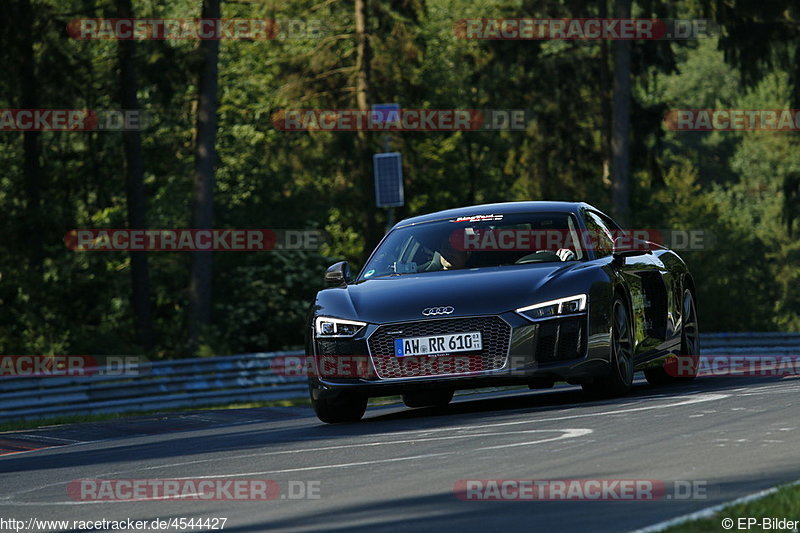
(345, 407)
(620, 377)
(685, 367)
(428, 398)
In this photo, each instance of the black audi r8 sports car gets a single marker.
(500, 294)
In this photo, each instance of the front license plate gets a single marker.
(438, 344)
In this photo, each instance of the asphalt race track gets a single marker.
(396, 470)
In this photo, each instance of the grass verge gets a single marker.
(782, 504)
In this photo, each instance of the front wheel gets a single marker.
(346, 407)
(620, 377)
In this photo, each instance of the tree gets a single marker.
(762, 37)
(134, 186)
(31, 166)
(363, 164)
(605, 107)
(621, 123)
(203, 193)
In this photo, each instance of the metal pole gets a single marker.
(389, 218)
(389, 210)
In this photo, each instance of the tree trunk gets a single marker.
(203, 193)
(620, 141)
(362, 145)
(31, 167)
(605, 103)
(362, 56)
(134, 187)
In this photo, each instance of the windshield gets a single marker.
(476, 242)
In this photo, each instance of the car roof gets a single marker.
(503, 208)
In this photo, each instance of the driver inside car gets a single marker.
(444, 257)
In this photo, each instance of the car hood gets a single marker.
(482, 291)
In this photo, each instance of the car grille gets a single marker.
(495, 335)
(560, 340)
(343, 358)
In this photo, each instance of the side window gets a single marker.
(610, 224)
(600, 234)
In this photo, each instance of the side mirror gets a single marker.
(626, 246)
(338, 274)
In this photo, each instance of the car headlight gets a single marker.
(562, 306)
(336, 327)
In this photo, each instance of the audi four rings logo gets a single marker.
(431, 311)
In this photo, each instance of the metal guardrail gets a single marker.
(190, 383)
(180, 383)
(750, 343)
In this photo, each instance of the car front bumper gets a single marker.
(516, 351)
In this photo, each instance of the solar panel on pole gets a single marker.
(388, 170)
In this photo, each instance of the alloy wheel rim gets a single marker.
(690, 325)
(622, 342)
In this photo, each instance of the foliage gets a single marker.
(735, 186)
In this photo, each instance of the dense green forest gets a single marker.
(741, 187)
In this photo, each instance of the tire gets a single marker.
(690, 346)
(620, 378)
(428, 398)
(342, 408)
